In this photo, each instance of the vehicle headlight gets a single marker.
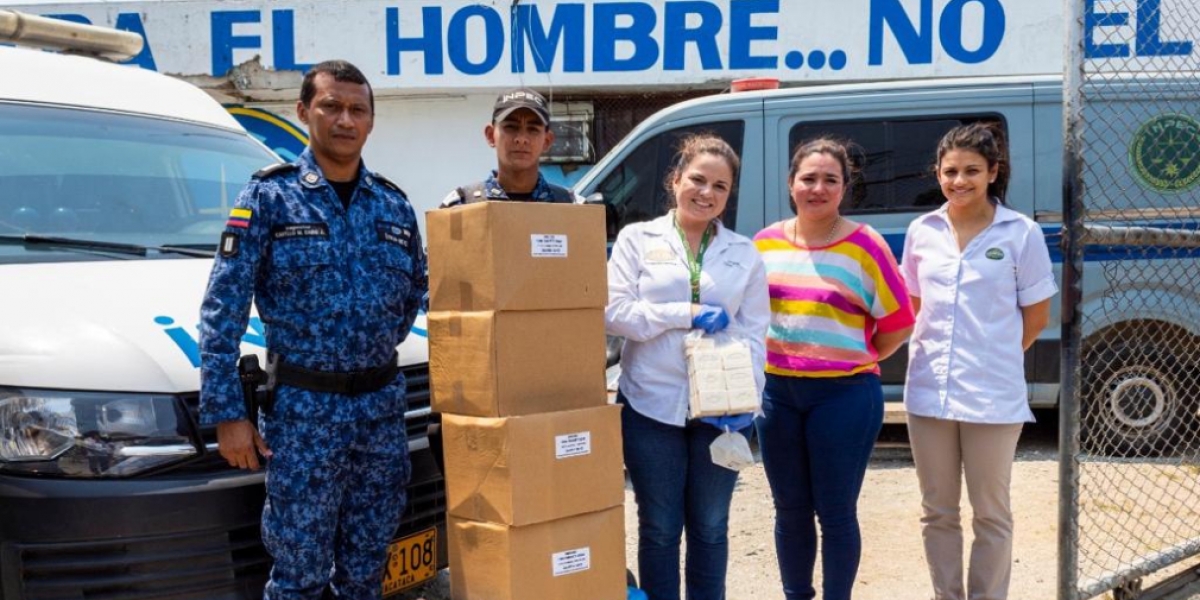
(89, 434)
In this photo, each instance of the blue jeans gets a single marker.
(816, 437)
(678, 488)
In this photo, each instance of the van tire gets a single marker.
(1134, 401)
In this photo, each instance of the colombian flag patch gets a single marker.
(239, 217)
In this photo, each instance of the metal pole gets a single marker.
(1068, 434)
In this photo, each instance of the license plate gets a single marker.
(411, 561)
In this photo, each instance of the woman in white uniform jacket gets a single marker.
(682, 271)
(980, 278)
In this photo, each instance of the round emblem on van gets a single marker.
(1165, 153)
(994, 253)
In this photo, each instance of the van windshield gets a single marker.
(104, 177)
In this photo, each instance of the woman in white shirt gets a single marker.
(682, 271)
(980, 278)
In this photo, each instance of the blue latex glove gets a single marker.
(730, 422)
(710, 318)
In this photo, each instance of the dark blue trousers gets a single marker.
(816, 436)
(678, 489)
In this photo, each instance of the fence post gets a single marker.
(1072, 186)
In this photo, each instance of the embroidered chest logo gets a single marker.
(660, 255)
(994, 253)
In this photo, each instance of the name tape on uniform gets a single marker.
(572, 561)
(573, 444)
(548, 245)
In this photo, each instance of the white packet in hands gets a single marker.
(732, 451)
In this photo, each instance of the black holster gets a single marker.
(257, 391)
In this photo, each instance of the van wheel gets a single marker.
(1133, 402)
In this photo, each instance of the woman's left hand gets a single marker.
(730, 422)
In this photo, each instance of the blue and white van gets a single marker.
(115, 183)
(1137, 395)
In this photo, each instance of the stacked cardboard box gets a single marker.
(534, 480)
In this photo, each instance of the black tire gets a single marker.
(1133, 402)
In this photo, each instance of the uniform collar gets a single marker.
(1003, 214)
(311, 176)
(493, 191)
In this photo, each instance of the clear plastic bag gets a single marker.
(732, 451)
(721, 377)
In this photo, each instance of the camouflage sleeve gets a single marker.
(226, 307)
(418, 295)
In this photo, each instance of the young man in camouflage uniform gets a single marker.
(330, 254)
(520, 133)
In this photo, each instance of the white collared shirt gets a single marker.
(649, 304)
(965, 361)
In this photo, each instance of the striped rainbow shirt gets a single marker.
(827, 303)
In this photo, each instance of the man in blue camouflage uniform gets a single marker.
(520, 133)
(331, 254)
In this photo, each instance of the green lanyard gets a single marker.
(694, 263)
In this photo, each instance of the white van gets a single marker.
(115, 183)
(1137, 397)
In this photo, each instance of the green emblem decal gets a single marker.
(994, 253)
(1165, 153)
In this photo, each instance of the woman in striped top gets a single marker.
(838, 306)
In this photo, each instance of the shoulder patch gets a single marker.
(389, 183)
(270, 170)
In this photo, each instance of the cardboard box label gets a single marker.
(572, 561)
(573, 444)
(548, 245)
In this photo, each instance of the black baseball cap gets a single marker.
(519, 98)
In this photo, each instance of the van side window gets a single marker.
(895, 159)
(636, 187)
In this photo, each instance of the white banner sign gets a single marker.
(427, 45)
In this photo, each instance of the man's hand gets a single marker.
(240, 444)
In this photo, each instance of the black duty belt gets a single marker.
(349, 382)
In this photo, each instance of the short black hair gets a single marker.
(340, 70)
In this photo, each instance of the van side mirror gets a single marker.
(611, 218)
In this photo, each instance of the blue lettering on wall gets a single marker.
(224, 42)
(543, 43)
(1148, 41)
(1093, 20)
(742, 33)
(70, 18)
(493, 39)
(951, 31)
(606, 33)
(1149, 21)
(677, 35)
(915, 42)
(132, 22)
(429, 43)
(283, 41)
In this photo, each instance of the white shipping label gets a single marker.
(572, 561)
(548, 245)
(573, 444)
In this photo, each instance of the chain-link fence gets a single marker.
(1131, 327)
